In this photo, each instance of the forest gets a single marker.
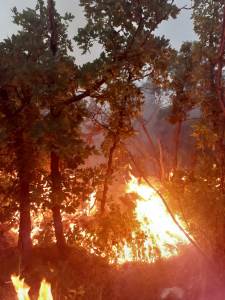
(112, 172)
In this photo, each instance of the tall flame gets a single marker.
(45, 292)
(22, 289)
(155, 222)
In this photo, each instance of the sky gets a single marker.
(178, 30)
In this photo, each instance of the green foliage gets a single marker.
(40, 103)
(125, 29)
(198, 192)
(33, 86)
(200, 203)
(182, 83)
(106, 235)
(114, 24)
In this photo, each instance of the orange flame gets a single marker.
(45, 292)
(22, 289)
(155, 223)
(162, 237)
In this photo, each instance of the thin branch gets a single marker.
(87, 93)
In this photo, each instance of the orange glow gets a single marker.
(158, 236)
(156, 224)
(22, 289)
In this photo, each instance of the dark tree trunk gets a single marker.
(56, 195)
(23, 152)
(55, 171)
(108, 174)
(24, 166)
(58, 225)
(52, 27)
(25, 243)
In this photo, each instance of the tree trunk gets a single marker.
(109, 172)
(55, 172)
(56, 195)
(25, 243)
(24, 175)
(58, 225)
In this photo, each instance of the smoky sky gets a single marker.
(178, 30)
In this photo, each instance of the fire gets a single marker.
(45, 291)
(22, 289)
(155, 222)
(160, 236)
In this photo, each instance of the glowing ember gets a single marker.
(22, 290)
(155, 222)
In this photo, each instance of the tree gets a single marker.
(199, 192)
(42, 90)
(31, 83)
(123, 101)
(130, 52)
(181, 86)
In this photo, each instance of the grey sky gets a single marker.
(177, 31)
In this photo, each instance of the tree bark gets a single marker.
(56, 196)
(24, 243)
(55, 171)
(24, 166)
(24, 179)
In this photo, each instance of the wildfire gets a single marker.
(155, 222)
(45, 292)
(22, 289)
(160, 236)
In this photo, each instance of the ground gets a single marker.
(82, 276)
